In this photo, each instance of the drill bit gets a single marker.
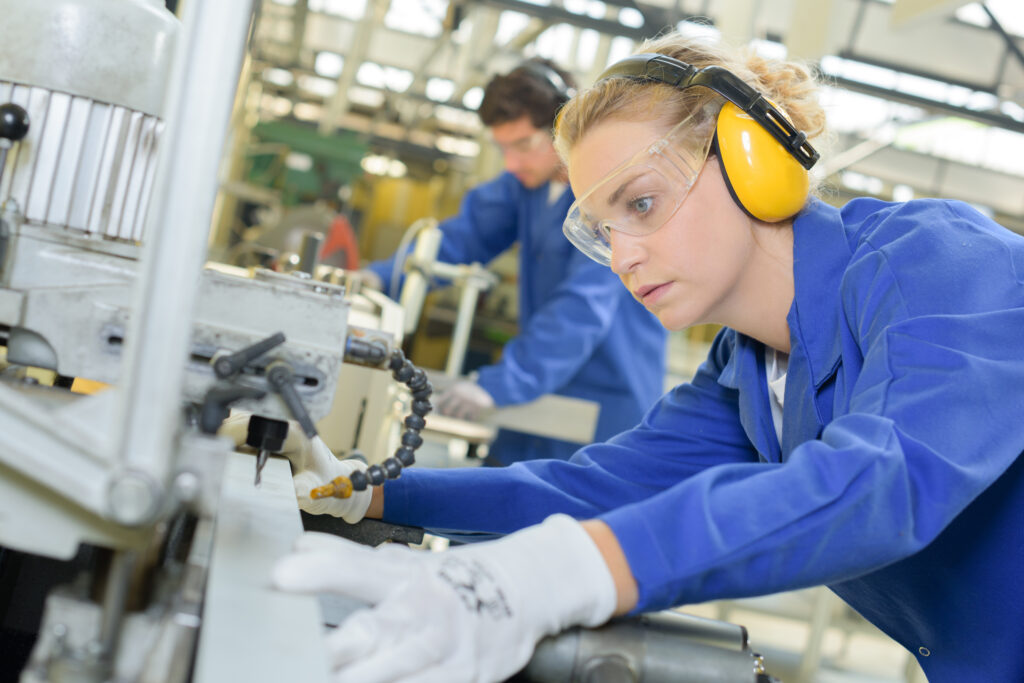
(261, 461)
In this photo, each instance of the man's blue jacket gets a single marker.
(898, 482)
(581, 333)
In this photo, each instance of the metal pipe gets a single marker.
(463, 326)
(202, 89)
(115, 599)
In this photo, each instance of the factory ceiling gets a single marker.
(925, 97)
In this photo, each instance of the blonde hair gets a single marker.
(791, 86)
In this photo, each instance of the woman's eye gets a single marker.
(640, 205)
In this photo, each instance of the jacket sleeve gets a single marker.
(691, 428)
(484, 227)
(559, 338)
(933, 419)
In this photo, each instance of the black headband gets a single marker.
(664, 69)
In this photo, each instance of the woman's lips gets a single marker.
(648, 294)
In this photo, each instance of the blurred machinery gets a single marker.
(109, 149)
(103, 242)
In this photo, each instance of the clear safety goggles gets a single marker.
(641, 195)
(525, 145)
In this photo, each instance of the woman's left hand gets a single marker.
(473, 613)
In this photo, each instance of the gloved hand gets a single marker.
(465, 400)
(369, 279)
(474, 613)
(313, 464)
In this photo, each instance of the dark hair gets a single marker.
(536, 88)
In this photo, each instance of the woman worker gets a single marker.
(857, 422)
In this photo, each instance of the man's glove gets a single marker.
(473, 613)
(313, 464)
(465, 400)
(369, 279)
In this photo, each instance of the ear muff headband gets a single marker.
(542, 72)
(764, 158)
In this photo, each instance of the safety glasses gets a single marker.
(641, 195)
(523, 146)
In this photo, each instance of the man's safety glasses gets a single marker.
(525, 145)
(641, 195)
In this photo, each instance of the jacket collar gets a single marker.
(821, 254)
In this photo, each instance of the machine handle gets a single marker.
(227, 365)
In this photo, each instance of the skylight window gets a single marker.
(587, 47)
(620, 48)
(927, 88)
(329, 64)
(440, 89)
(769, 49)
(862, 183)
(318, 86)
(385, 77)
(631, 17)
(695, 29)
(473, 98)
(968, 142)
(457, 117)
(279, 77)
(366, 97)
(555, 43)
(510, 25)
(1009, 13)
(349, 9)
(452, 145)
(422, 17)
(594, 9)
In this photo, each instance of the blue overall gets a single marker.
(897, 482)
(581, 333)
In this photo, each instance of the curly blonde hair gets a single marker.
(791, 86)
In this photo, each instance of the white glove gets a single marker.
(369, 279)
(313, 464)
(473, 613)
(465, 400)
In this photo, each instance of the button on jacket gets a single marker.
(897, 483)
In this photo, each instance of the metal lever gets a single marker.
(14, 124)
(226, 365)
(281, 379)
(216, 405)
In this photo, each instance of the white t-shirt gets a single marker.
(776, 365)
(555, 190)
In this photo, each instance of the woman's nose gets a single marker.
(628, 251)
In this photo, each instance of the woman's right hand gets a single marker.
(313, 465)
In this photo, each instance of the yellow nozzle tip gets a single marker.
(339, 487)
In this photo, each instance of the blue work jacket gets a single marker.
(581, 333)
(897, 483)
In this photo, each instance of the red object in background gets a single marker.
(340, 248)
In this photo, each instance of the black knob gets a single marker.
(13, 122)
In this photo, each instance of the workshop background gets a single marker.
(363, 112)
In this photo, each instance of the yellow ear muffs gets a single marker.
(764, 179)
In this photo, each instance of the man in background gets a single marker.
(581, 333)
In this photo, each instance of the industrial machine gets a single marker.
(109, 153)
